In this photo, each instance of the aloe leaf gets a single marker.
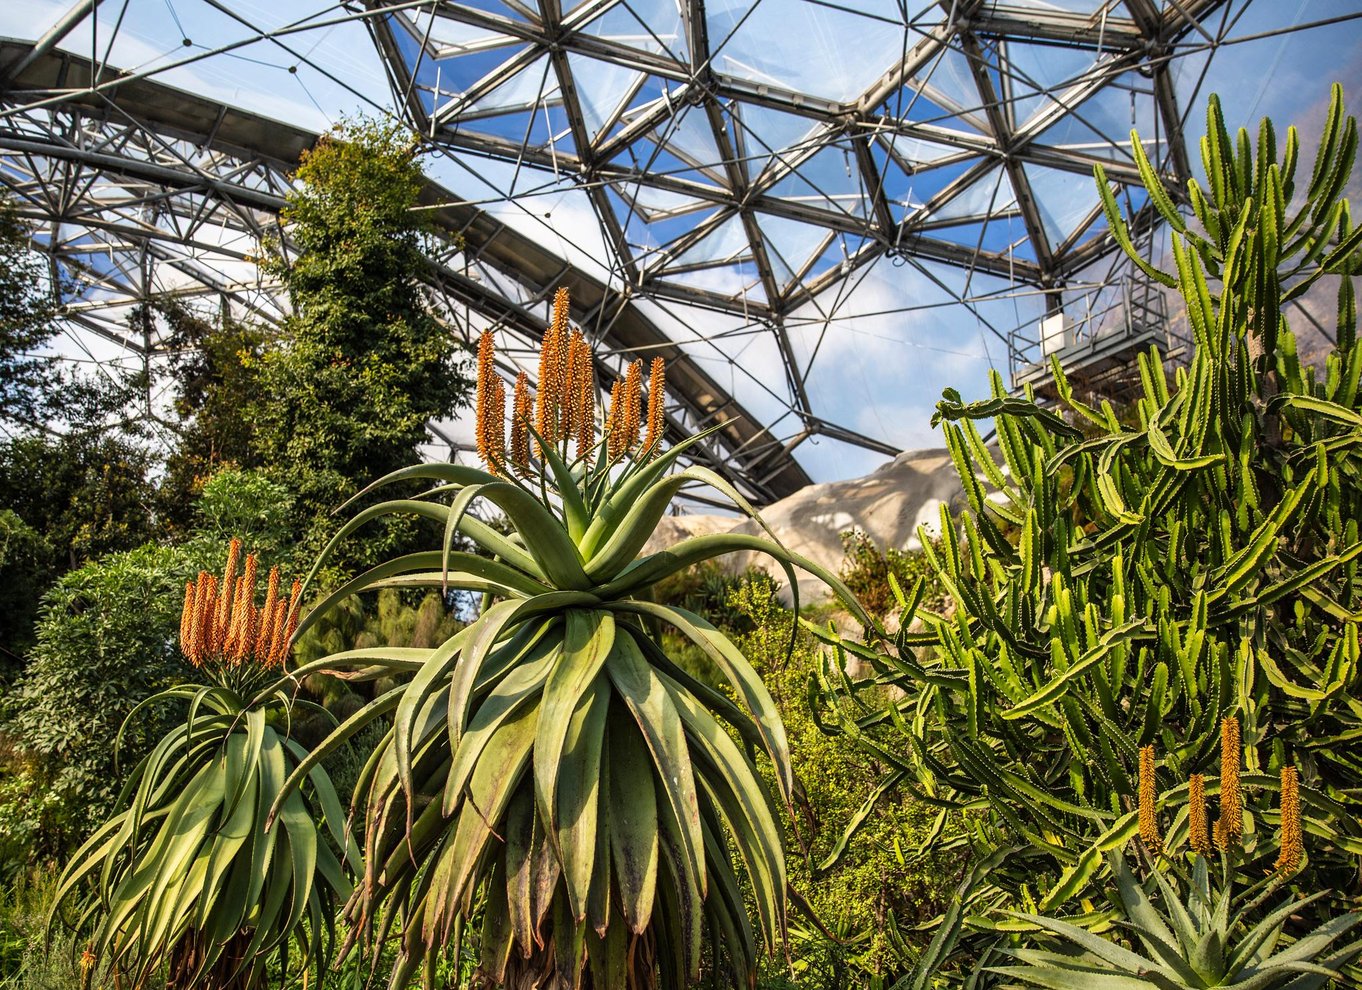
(739, 673)
(578, 795)
(660, 725)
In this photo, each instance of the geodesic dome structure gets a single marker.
(819, 212)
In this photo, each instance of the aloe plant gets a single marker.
(1119, 582)
(186, 881)
(1206, 939)
(550, 769)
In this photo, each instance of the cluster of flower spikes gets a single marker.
(563, 408)
(1229, 826)
(222, 625)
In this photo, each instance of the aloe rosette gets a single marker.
(550, 768)
(186, 882)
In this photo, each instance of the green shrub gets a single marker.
(862, 888)
(105, 641)
(867, 570)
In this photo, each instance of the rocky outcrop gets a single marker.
(888, 504)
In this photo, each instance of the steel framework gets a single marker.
(148, 193)
(751, 158)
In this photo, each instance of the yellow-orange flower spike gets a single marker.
(614, 435)
(492, 431)
(262, 639)
(1197, 835)
(633, 404)
(586, 401)
(487, 379)
(1230, 825)
(571, 369)
(553, 359)
(657, 387)
(1293, 848)
(219, 623)
(522, 408)
(222, 613)
(1149, 815)
(187, 619)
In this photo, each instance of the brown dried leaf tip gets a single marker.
(1149, 815)
(1293, 846)
(1230, 825)
(221, 625)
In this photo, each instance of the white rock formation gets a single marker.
(888, 504)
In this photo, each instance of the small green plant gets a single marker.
(550, 772)
(871, 573)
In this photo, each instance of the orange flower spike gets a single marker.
(246, 606)
(486, 376)
(633, 404)
(586, 402)
(227, 599)
(549, 396)
(657, 387)
(522, 408)
(568, 417)
(1230, 825)
(207, 633)
(275, 623)
(187, 619)
(262, 641)
(195, 650)
(291, 620)
(1198, 836)
(1149, 815)
(614, 427)
(495, 438)
(1293, 848)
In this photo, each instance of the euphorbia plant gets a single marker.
(551, 770)
(186, 881)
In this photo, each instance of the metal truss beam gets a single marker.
(203, 163)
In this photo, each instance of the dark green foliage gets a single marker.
(211, 364)
(344, 396)
(25, 563)
(78, 497)
(26, 309)
(105, 641)
(1134, 585)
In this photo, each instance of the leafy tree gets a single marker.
(25, 562)
(79, 496)
(105, 641)
(26, 311)
(212, 366)
(362, 365)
